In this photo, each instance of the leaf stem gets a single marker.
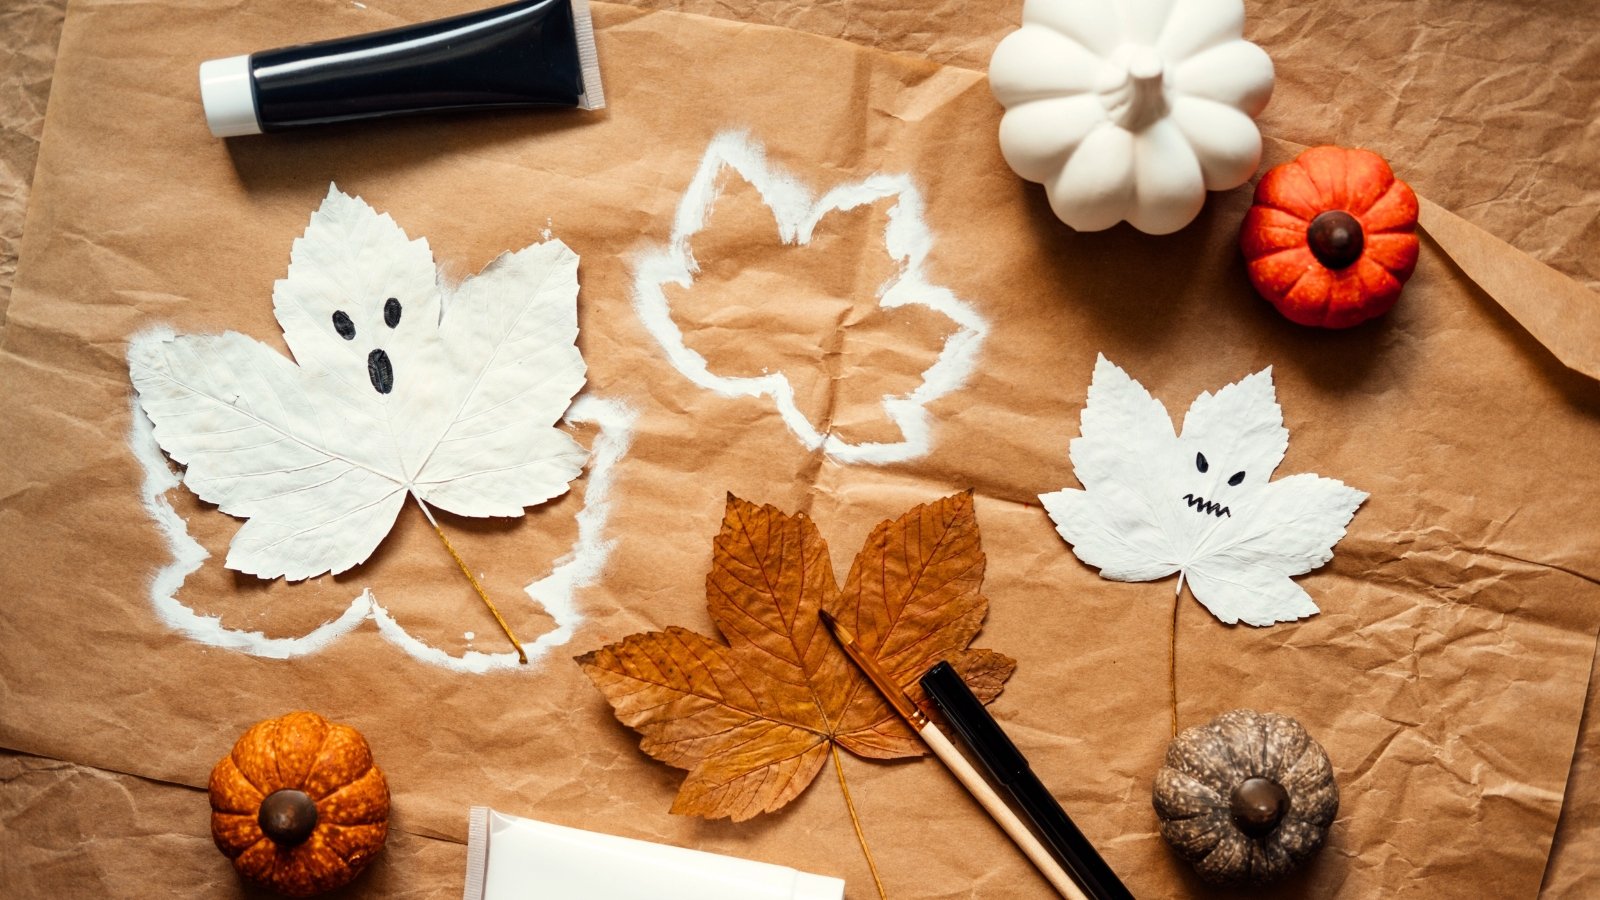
(522, 656)
(861, 837)
(1172, 656)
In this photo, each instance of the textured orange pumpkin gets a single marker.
(1331, 237)
(298, 805)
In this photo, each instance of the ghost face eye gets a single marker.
(1200, 462)
(391, 312)
(343, 325)
(1237, 479)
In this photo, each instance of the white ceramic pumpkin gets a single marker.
(1131, 109)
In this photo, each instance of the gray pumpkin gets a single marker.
(1246, 798)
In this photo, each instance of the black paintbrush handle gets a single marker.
(1007, 766)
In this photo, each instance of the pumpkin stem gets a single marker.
(1139, 99)
(1336, 238)
(1258, 805)
(287, 817)
(861, 836)
(522, 656)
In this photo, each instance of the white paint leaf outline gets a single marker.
(556, 592)
(908, 241)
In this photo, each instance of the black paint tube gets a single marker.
(530, 53)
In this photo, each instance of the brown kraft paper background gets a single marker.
(1446, 675)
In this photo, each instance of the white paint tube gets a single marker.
(510, 858)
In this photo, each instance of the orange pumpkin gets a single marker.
(1331, 237)
(298, 805)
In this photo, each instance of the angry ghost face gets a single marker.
(1199, 503)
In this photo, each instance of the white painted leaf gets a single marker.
(399, 385)
(1201, 503)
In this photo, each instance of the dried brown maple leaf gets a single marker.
(752, 720)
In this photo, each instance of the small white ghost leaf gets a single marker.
(1201, 503)
(399, 384)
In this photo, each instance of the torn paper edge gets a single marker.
(908, 240)
(556, 592)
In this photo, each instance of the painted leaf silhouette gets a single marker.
(797, 213)
(399, 385)
(752, 718)
(1201, 503)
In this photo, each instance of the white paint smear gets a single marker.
(556, 592)
(908, 240)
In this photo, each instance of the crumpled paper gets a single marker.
(27, 59)
(1461, 606)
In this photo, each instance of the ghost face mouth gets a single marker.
(1207, 507)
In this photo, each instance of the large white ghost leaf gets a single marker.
(399, 385)
(1200, 503)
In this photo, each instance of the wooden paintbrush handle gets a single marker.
(1001, 812)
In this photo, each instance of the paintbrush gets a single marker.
(1007, 767)
(975, 784)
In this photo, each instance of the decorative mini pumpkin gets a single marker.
(298, 805)
(1131, 110)
(1245, 798)
(1331, 237)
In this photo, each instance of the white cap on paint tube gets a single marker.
(229, 97)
